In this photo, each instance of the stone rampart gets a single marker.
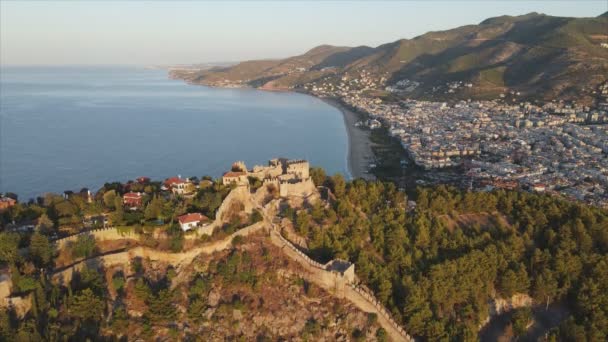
(241, 195)
(343, 286)
(304, 188)
(101, 234)
(175, 259)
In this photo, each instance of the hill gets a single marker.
(365, 263)
(535, 54)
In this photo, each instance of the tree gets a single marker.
(84, 246)
(196, 309)
(86, 305)
(511, 282)
(109, 198)
(160, 307)
(154, 209)
(9, 247)
(520, 320)
(45, 225)
(318, 175)
(119, 212)
(545, 287)
(41, 251)
(66, 209)
(338, 185)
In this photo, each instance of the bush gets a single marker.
(118, 282)
(381, 335)
(256, 217)
(520, 320)
(238, 240)
(84, 246)
(312, 328)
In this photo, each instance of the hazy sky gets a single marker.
(154, 32)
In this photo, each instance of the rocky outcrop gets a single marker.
(5, 286)
(518, 300)
(498, 306)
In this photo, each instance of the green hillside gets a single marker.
(535, 54)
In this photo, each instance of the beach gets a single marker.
(360, 153)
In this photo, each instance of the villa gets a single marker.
(133, 199)
(6, 202)
(190, 221)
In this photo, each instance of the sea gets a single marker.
(70, 127)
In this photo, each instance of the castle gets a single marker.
(290, 177)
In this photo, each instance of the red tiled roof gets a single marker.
(173, 180)
(233, 174)
(194, 217)
(132, 195)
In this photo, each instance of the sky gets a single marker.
(159, 32)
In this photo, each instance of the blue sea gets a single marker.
(65, 128)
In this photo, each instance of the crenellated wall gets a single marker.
(303, 188)
(177, 260)
(343, 285)
(101, 234)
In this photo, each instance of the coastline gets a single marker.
(360, 152)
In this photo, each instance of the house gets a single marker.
(538, 187)
(169, 182)
(179, 186)
(6, 202)
(132, 199)
(237, 177)
(189, 221)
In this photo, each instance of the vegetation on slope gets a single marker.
(536, 54)
(437, 278)
(435, 266)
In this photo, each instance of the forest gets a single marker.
(437, 276)
(434, 260)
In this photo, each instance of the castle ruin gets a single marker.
(290, 177)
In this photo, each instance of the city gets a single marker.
(554, 147)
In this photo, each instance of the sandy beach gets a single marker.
(360, 152)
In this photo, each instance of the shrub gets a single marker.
(84, 246)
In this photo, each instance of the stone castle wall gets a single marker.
(263, 172)
(304, 188)
(101, 234)
(298, 167)
(177, 260)
(343, 286)
(240, 194)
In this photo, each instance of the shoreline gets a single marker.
(360, 152)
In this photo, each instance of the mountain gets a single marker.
(535, 54)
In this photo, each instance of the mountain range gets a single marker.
(540, 56)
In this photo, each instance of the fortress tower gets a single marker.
(239, 166)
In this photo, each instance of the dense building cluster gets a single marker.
(554, 147)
